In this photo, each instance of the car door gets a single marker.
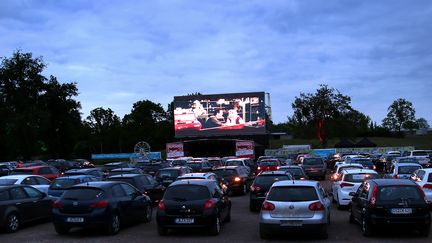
(355, 201)
(363, 200)
(221, 203)
(42, 184)
(41, 205)
(136, 202)
(23, 203)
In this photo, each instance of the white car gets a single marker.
(403, 170)
(340, 167)
(350, 182)
(38, 182)
(423, 177)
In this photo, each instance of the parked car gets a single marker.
(336, 176)
(366, 162)
(247, 163)
(314, 167)
(120, 171)
(403, 171)
(145, 183)
(202, 176)
(5, 169)
(168, 175)
(83, 163)
(96, 172)
(181, 161)
(102, 204)
(235, 178)
(38, 182)
(423, 178)
(267, 165)
(422, 156)
(59, 185)
(193, 204)
(350, 180)
(293, 206)
(20, 204)
(400, 160)
(390, 203)
(62, 165)
(150, 167)
(261, 185)
(296, 171)
(111, 166)
(46, 171)
(215, 162)
(199, 166)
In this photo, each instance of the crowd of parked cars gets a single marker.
(378, 190)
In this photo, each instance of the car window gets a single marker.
(388, 194)
(117, 191)
(63, 183)
(313, 161)
(187, 193)
(359, 177)
(4, 195)
(44, 171)
(18, 193)
(42, 181)
(167, 173)
(32, 193)
(270, 179)
(430, 177)
(150, 179)
(82, 193)
(7, 181)
(420, 174)
(128, 189)
(364, 191)
(407, 169)
(29, 181)
(144, 180)
(293, 194)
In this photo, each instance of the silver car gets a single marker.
(292, 206)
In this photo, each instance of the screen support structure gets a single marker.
(268, 106)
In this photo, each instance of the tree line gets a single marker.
(41, 118)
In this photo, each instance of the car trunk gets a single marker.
(184, 208)
(292, 210)
(78, 200)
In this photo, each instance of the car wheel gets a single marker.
(162, 231)
(12, 223)
(61, 230)
(263, 233)
(148, 214)
(366, 228)
(215, 228)
(114, 224)
(425, 232)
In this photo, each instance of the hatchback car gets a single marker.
(35, 181)
(395, 204)
(336, 176)
(314, 167)
(203, 176)
(20, 204)
(403, 171)
(235, 178)
(423, 178)
(168, 175)
(103, 204)
(59, 185)
(296, 171)
(193, 204)
(88, 171)
(292, 206)
(366, 162)
(262, 184)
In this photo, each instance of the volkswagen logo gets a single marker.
(291, 206)
(183, 207)
(75, 204)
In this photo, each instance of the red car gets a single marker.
(268, 165)
(46, 171)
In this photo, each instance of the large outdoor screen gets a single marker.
(219, 114)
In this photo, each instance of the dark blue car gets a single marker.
(59, 185)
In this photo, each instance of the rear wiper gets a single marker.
(179, 199)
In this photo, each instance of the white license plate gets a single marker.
(74, 220)
(401, 210)
(293, 223)
(185, 221)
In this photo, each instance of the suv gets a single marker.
(314, 167)
(235, 178)
(262, 184)
(390, 202)
(191, 204)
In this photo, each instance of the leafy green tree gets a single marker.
(401, 114)
(422, 123)
(105, 128)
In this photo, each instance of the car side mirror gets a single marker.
(353, 194)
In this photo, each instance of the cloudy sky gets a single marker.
(120, 52)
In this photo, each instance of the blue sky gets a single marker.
(120, 52)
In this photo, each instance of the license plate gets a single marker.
(401, 210)
(185, 221)
(74, 220)
(293, 223)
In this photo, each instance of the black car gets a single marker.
(392, 203)
(103, 204)
(20, 204)
(5, 170)
(149, 167)
(296, 171)
(115, 165)
(261, 185)
(145, 183)
(193, 204)
(63, 165)
(236, 178)
(89, 171)
(167, 175)
(120, 171)
(199, 166)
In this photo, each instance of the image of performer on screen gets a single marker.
(234, 118)
(212, 121)
(198, 109)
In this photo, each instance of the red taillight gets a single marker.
(100, 204)
(277, 167)
(396, 176)
(161, 205)
(259, 168)
(344, 184)
(302, 178)
(255, 188)
(209, 204)
(373, 199)
(316, 206)
(427, 186)
(374, 167)
(57, 204)
(267, 206)
(237, 179)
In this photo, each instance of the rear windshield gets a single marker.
(420, 153)
(294, 171)
(225, 173)
(312, 161)
(187, 193)
(268, 163)
(349, 167)
(359, 177)
(168, 173)
(268, 180)
(194, 164)
(64, 183)
(407, 169)
(408, 160)
(7, 181)
(82, 194)
(22, 172)
(293, 194)
(234, 163)
(124, 179)
(394, 194)
(179, 162)
(119, 172)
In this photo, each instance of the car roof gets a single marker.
(391, 182)
(296, 183)
(290, 167)
(97, 184)
(32, 167)
(20, 177)
(349, 165)
(407, 164)
(173, 168)
(229, 167)
(125, 176)
(356, 171)
(123, 169)
(199, 174)
(275, 172)
(203, 182)
(73, 177)
(82, 170)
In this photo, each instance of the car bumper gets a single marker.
(305, 228)
(95, 219)
(344, 198)
(408, 222)
(312, 173)
(318, 218)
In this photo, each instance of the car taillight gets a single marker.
(374, 167)
(209, 204)
(161, 205)
(267, 206)
(237, 179)
(255, 188)
(422, 192)
(427, 187)
(396, 176)
(373, 199)
(316, 206)
(336, 177)
(100, 204)
(277, 167)
(57, 204)
(259, 168)
(344, 184)
(302, 178)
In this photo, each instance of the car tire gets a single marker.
(216, 227)
(263, 233)
(162, 231)
(425, 232)
(61, 230)
(13, 223)
(114, 224)
(148, 214)
(323, 233)
(366, 228)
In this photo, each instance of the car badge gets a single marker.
(75, 204)
(291, 207)
(184, 207)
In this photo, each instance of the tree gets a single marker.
(422, 123)
(401, 114)
(105, 129)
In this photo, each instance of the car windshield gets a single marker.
(407, 169)
(408, 160)
(4, 182)
(234, 163)
(312, 161)
(419, 153)
(364, 162)
(167, 173)
(348, 167)
(270, 179)
(294, 171)
(187, 193)
(194, 164)
(269, 163)
(179, 162)
(360, 177)
(64, 183)
(225, 173)
(395, 194)
(82, 194)
(22, 172)
(293, 194)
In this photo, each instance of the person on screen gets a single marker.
(212, 121)
(234, 118)
(198, 109)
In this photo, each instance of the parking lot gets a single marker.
(242, 228)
